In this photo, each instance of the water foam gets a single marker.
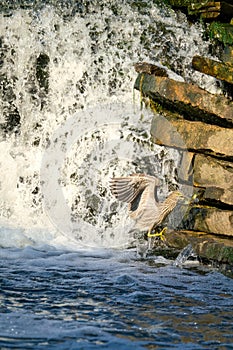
(78, 70)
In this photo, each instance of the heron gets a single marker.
(140, 192)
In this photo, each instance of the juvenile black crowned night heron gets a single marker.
(140, 192)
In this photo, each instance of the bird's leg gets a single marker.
(149, 243)
(160, 234)
(142, 246)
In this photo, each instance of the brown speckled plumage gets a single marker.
(140, 192)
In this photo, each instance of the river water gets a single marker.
(109, 299)
(70, 120)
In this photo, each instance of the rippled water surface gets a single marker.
(110, 299)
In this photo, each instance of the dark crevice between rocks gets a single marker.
(209, 152)
(206, 151)
(207, 197)
(189, 113)
(215, 204)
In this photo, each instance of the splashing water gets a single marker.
(183, 256)
(69, 120)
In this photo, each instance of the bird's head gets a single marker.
(175, 197)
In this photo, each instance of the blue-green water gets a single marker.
(109, 299)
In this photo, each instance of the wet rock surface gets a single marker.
(209, 171)
(217, 251)
(217, 69)
(195, 136)
(190, 101)
(207, 161)
(209, 10)
(210, 220)
(200, 125)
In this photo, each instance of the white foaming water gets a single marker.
(79, 124)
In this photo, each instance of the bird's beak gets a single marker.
(194, 199)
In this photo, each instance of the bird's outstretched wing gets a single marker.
(126, 189)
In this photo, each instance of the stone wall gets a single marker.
(204, 123)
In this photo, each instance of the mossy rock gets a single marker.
(223, 32)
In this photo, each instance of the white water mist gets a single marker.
(77, 70)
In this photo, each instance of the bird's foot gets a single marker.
(160, 234)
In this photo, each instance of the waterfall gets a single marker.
(70, 119)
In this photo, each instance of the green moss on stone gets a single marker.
(223, 32)
(217, 252)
